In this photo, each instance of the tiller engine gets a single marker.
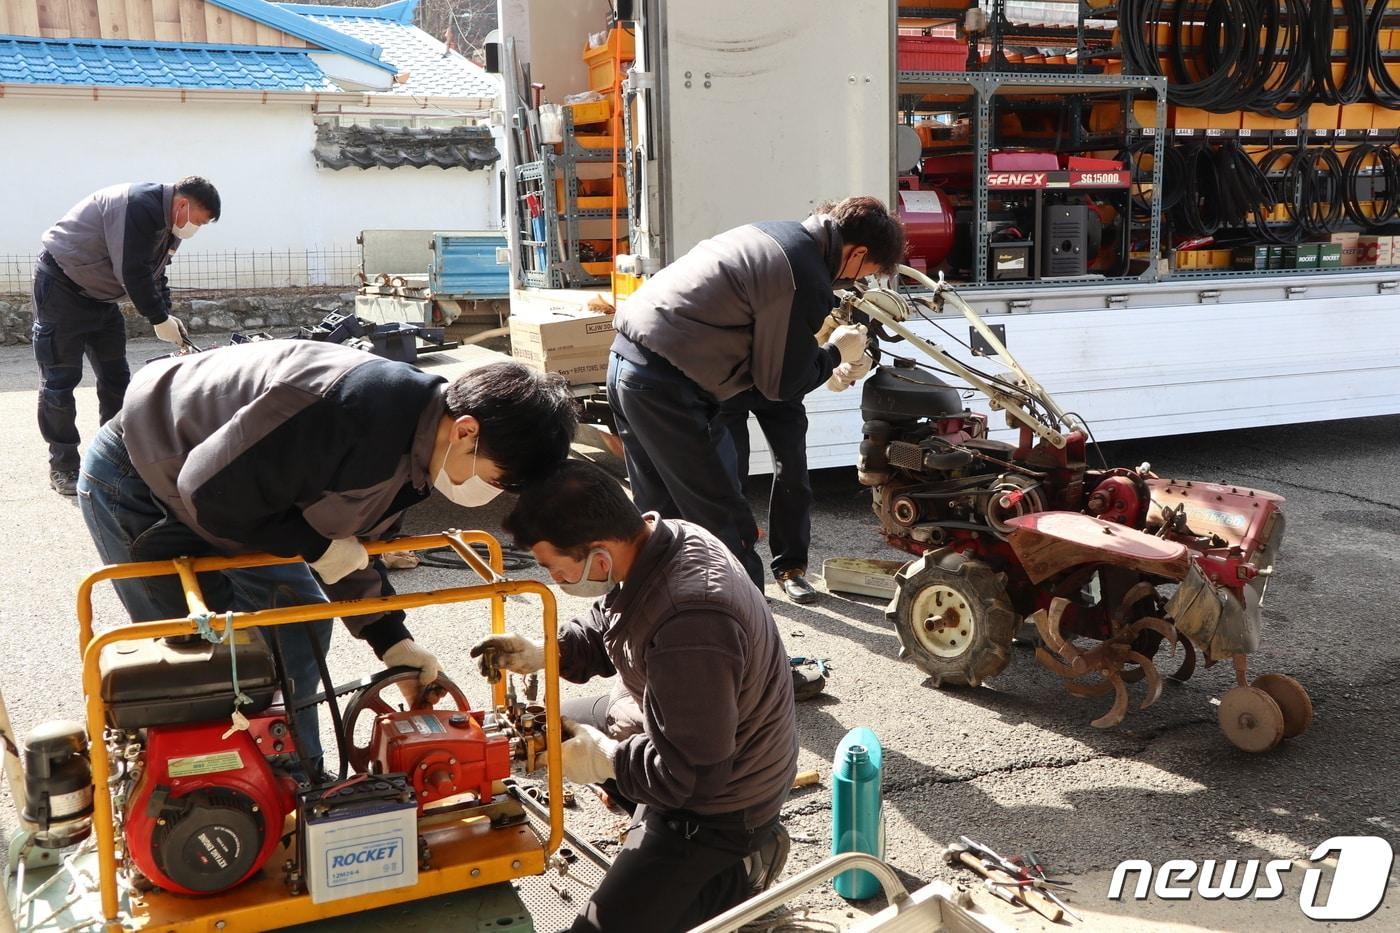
(1006, 533)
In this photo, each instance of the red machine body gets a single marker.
(927, 216)
(445, 753)
(208, 811)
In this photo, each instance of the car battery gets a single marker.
(1009, 261)
(358, 836)
(1064, 249)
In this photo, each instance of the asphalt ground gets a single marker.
(1014, 764)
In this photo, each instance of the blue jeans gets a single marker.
(128, 523)
(680, 460)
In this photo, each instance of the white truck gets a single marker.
(756, 111)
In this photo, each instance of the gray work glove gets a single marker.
(588, 755)
(342, 558)
(849, 339)
(172, 330)
(510, 652)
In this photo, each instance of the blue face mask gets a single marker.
(591, 589)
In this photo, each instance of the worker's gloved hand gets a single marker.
(342, 558)
(511, 652)
(172, 330)
(849, 339)
(848, 374)
(408, 653)
(829, 325)
(588, 755)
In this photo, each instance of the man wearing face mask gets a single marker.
(700, 729)
(115, 242)
(737, 312)
(303, 449)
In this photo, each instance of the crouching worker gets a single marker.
(302, 449)
(700, 731)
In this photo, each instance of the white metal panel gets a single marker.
(1179, 370)
(771, 107)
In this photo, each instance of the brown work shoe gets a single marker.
(64, 482)
(796, 587)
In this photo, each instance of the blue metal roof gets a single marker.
(94, 62)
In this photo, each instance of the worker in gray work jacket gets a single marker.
(700, 729)
(114, 242)
(737, 312)
(303, 449)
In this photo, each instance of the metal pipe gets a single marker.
(14, 768)
(755, 907)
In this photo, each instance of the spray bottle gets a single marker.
(857, 820)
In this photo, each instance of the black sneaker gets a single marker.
(796, 587)
(64, 482)
(765, 864)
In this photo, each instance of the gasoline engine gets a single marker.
(202, 806)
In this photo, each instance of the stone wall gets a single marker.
(279, 313)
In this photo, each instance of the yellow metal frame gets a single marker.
(466, 853)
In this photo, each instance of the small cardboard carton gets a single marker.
(571, 341)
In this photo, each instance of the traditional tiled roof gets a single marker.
(98, 63)
(433, 70)
(468, 147)
(382, 37)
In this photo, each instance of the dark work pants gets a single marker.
(784, 424)
(672, 440)
(67, 327)
(673, 873)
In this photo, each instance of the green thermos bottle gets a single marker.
(857, 821)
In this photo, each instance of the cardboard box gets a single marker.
(1351, 248)
(1252, 258)
(1329, 255)
(1300, 256)
(571, 341)
(1276, 257)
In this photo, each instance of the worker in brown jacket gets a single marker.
(701, 733)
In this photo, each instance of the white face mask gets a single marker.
(472, 492)
(187, 229)
(590, 589)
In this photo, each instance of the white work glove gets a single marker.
(511, 652)
(342, 558)
(588, 755)
(849, 339)
(408, 653)
(848, 374)
(172, 330)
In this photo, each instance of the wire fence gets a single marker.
(227, 270)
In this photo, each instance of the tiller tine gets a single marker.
(1140, 590)
(1119, 709)
(1089, 690)
(1048, 625)
(1154, 680)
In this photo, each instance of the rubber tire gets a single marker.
(994, 622)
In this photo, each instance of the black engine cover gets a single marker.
(208, 839)
(901, 394)
(166, 682)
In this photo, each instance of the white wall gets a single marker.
(274, 195)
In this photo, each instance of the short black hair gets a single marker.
(202, 192)
(865, 221)
(576, 505)
(527, 418)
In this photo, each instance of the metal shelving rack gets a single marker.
(567, 161)
(984, 87)
(540, 260)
